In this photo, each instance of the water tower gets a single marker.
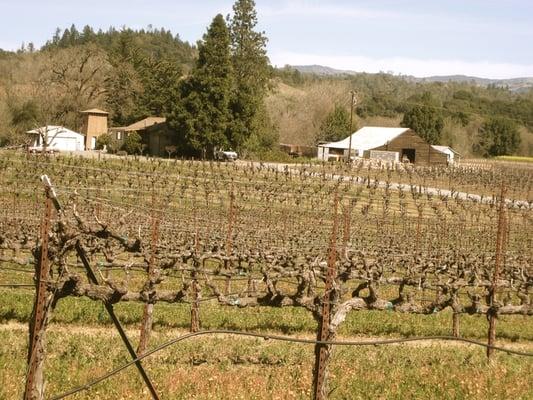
(94, 125)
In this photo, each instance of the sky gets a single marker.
(484, 38)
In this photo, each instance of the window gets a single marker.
(119, 135)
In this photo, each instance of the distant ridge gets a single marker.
(514, 84)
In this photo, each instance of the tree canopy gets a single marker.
(425, 121)
(499, 136)
(251, 72)
(336, 125)
(201, 117)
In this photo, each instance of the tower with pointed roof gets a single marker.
(94, 125)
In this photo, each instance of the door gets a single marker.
(93, 143)
(408, 154)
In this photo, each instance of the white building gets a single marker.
(57, 138)
(365, 139)
(450, 153)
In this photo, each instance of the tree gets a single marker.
(123, 83)
(499, 136)
(250, 64)
(336, 125)
(108, 141)
(133, 143)
(160, 86)
(425, 121)
(202, 116)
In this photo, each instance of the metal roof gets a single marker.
(54, 130)
(443, 149)
(367, 138)
(94, 111)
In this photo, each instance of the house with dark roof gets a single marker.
(154, 133)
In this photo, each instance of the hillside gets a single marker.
(137, 73)
(513, 84)
(299, 102)
(130, 73)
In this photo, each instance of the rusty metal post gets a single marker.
(229, 238)
(195, 304)
(34, 389)
(322, 352)
(500, 254)
(109, 307)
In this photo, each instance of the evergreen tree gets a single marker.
(160, 80)
(499, 136)
(251, 70)
(201, 117)
(425, 121)
(123, 83)
(336, 125)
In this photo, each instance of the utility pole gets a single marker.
(353, 103)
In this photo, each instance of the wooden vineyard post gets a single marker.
(346, 229)
(322, 351)
(147, 320)
(500, 254)
(455, 314)
(34, 389)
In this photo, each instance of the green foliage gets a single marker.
(499, 136)
(201, 118)
(380, 105)
(133, 143)
(425, 121)
(151, 43)
(336, 125)
(108, 141)
(251, 71)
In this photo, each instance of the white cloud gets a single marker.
(299, 8)
(407, 66)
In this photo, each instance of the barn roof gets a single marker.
(54, 130)
(443, 149)
(368, 138)
(145, 123)
(94, 111)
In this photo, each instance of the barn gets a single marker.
(387, 144)
(57, 138)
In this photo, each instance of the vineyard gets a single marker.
(317, 251)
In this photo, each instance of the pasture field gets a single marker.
(178, 245)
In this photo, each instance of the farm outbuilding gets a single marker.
(94, 125)
(120, 133)
(386, 144)
(450, 153)
(57, 138)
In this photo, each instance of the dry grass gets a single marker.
(229, 368)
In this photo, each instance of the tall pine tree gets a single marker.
(251, 71)
(201, 118)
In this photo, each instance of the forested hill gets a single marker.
(514, 84)
(151, 42)
(137, 73)
(308, 107)
(130, 73)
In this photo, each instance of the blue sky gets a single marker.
(486, 38)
